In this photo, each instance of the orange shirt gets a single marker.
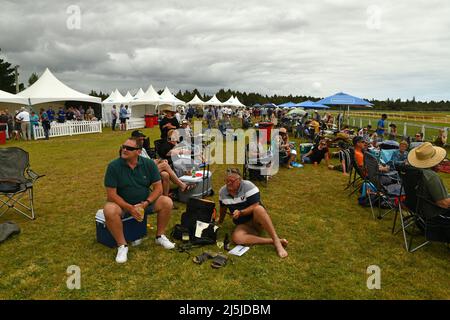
(359, 157)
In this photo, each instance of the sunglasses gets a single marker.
(129, 148)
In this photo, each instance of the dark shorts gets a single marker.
(149, 210)
(123, 120)
(243, 219)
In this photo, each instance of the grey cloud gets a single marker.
(269, 47)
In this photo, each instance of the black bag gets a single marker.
(178, 232)
(197, 210)
(207, 236)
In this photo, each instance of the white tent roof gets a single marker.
(196, 101)
(150, 97)
(48, 89)
(115, 98)
(11, 98)
(213, 102)
(111, 97)
(168, 98)
(128, 97)
(139, 94)
(230, 102)
(237, 103)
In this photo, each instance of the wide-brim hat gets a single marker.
(426, 156)
(166, 108)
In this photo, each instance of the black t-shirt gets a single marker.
(318, 155)
(164, 149)
(165, 121)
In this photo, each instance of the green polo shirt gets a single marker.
(433, 186)
(133, 185)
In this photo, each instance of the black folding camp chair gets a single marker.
(356, 176)
(407, 207)
(385, 195)
(16, 182)
(432, 220)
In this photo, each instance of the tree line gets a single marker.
(7, 83)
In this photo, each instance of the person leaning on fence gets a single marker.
(242, 199)
(127, 182)
(427, 157)
(45, 123)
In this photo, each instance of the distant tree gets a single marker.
(33, 78)
(7, 77)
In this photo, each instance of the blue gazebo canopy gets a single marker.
(343, 99)
(311, 105)
(289, 104)
(269, 105)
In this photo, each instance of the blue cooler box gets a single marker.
(132, 229)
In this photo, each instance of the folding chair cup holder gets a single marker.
(16, 182)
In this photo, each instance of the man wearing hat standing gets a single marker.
(426, 157)
(24, 117)
(169, 122)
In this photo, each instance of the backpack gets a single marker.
(198, 221)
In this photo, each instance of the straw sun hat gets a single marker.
(426, 156)
(166, 108)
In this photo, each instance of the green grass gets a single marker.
(332, 241)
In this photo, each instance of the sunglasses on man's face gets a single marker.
(129, 148)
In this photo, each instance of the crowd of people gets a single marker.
(19, 124)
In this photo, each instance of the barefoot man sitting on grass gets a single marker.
(242, 198)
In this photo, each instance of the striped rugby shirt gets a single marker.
(247, 195)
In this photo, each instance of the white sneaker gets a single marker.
(122, 253)
(137, 242)
(163, 241)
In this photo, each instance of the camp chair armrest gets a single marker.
(33, 175)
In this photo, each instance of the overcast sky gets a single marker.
(372, 49)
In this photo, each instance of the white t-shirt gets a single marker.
(23, 116)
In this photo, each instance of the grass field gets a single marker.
(332, 241)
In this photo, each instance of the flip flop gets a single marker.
(203, 257)
(219, 261)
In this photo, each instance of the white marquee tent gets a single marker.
(167, 98)
(213, 102)
(146, 104)
(49, 89)
(8, 98)
(196, 101)
(138, 94)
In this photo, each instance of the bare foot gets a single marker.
(282, 253)
(284, 242)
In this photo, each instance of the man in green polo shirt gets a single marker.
(426, 157)
(128, 180)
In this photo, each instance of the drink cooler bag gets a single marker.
(132, 229)
(197, 210)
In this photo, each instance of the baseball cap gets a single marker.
(138, 134)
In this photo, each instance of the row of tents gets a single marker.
(49, 89)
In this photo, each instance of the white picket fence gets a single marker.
(68, 128)
(429, 132)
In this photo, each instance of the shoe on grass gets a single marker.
(164, 242)
(122, 253)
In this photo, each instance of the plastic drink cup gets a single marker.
(141, 214)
